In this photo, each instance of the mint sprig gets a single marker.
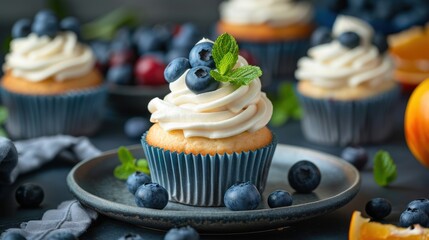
(225, 56)
(384, 168)
(129, 164)
(286, 105)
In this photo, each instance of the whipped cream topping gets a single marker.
(222, 113)
(273, 12)
(332, 65)
(37, 58)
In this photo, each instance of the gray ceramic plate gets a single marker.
(92, 182)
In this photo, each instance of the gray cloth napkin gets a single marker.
(70, 216)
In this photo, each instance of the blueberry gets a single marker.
(279, 198)
(183, 233)
(304, 176)
(44, 15)
(135, 180)
(164, 35)
(101, 51)
(176, 68)
(13, 236)
(380, 41)
(151, 195)
(422, 204)
(29, 195)
(8, 158)
(60, 235)
(176, 53)
(49, 27)
(413, 216)
(201, 55)
(70, 24)
(378, 208)
(21, 28)
(136, 126)
(357, 156)
(120, 74)
(320, 36)
(242, 196)
(187, 35)
(147, 41)
(198, 80)
(131, 236)
(349, 39)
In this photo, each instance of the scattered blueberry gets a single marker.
(380, 41)
(422, 204)
(125, 36)
(187, 35)
(60, 235)
(304, 176)
(44, 15)
(176, 68)
(136, 126)
(8, 156)
(183, 233)
(357, 156)
(120, 74)
(151, 195)
(320, 36)
(131, 236)
(242, 196)
(70, 24)
(45, 28)
(147, 41)
(378, 208)
(349, 39)
(21, 28)
(137, 179)
(413, 216)
(199, 80)
(279, 198)
(29, 195)
(201, 55)
(13, 236)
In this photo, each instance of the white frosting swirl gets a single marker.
(332, 65)
(37, 58)
(273, 12)
(222, 113)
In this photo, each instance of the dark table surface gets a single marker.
(411, 184)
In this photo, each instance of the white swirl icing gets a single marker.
(273, 12)
(37, 58)
(225, 112)
(331, 65)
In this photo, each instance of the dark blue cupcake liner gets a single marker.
(202, 180)
(341, 123)
(74, 113)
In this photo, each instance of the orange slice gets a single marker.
(362, 229)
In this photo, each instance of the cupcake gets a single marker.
(274, 32)
(346, 86)
(50, 84)
(210, 134)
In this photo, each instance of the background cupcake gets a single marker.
(346, 85)
(210, 134)
(50, 85)
(275, 32)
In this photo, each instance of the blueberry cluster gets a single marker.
(45, 23)
(349, 39)
(146, 193)
(200, 63)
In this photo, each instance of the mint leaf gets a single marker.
(384, 168)
(3, 115)
(286, 105)
(217, 76)
(125, 156)
(142, 166)
(129, 164)
(224, 44)
(227, 63)
(123, 171)
(243, 75)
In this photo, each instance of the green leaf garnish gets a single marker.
(384, 168)
(129, 164)
(225, 56)
(286, 105)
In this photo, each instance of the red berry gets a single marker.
(121, 57)
(149, 71)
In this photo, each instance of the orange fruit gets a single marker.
(416, 123)
(362, 229)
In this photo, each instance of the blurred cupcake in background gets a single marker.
(346, 86)
(51, 85)
(274, 32)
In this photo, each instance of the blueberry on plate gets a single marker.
(199, 80)
(120, 74)
(136, 126)
(380, 41)
(304, 176)
(279, 198)
(21, 28)
(183, 233)
(135, 180)
(349, 39)
(422, 204)
(201, 55)
(413, 216)
(242, 196)
(29, 195)
(320, 36)
(176, 68)
(131, 236)
(151, 195)
(378, 208)
(13, 236)
(70, 24)
(357, 156)
(60, 235)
